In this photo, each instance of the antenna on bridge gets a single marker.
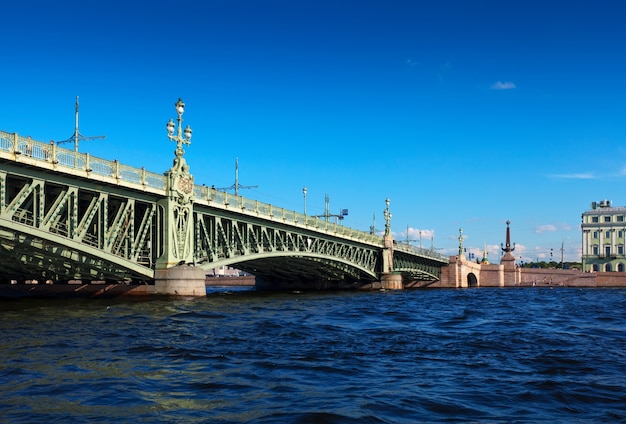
(342, 213)
(373, 226)
(77, 136)
(408, 242)
(237, 186)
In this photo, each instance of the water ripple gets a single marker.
(484, 355)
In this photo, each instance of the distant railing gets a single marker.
(51, 153)
(275, 213)
(427, 253)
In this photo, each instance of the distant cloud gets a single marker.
(503, 85)
(415, 235)
(619, 174)
(578, 176)
(565, 227)
(551, 228)
(545, 228)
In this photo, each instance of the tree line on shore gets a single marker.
(551, 264)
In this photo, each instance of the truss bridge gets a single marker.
(66, 216)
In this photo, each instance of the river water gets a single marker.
(458, 355)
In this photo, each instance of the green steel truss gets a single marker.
(419, 268)
(66, 215)
(50, 228)
(280, 252)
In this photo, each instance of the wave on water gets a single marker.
(476, 355)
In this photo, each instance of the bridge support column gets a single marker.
(180, 281)
(391, 281)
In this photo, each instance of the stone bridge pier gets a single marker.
(463, 273)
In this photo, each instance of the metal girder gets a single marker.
(280, 252)
(32, 254)
(415, 267)
(60, 228)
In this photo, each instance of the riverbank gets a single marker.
(79, 289)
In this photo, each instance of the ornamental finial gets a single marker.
(507, 247)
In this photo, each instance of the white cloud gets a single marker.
(578, 176)
(507, 85)
(415, 235)
(545, 228)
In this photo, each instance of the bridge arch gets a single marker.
(36, 253)
(294, 269)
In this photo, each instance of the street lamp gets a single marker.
(304, 193)
(180, 137)
(387, 215)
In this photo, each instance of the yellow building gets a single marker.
(603, 238)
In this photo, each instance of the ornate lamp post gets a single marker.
(179, 138)
(389, 279)
(304, 194)
(172, 275)
(178, 230)
(387, 215)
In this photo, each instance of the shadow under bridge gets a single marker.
(285, 251)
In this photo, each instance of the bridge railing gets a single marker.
(53, 155)
(275, 213)
(427, 253)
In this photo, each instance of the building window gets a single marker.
(595, 267)
(607, 219)
(594, 219)
(620, 267)
(620, 218)
(620, 233)
(607, 234)
(595, 250)
(607, 267)
(620, 249)
(595, 234)
(607, 250)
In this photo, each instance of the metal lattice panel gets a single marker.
(263, 248)
(109, 235)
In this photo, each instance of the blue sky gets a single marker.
(465, 114)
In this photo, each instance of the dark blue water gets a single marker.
(477, 355)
